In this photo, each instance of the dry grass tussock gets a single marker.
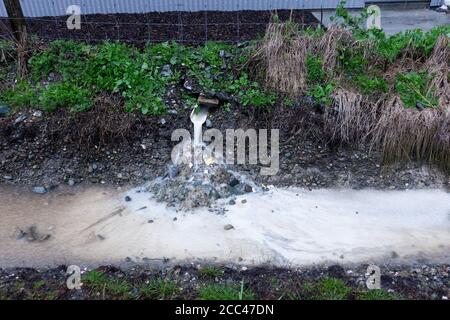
(281, 56)
(103, 124)
(381, 120)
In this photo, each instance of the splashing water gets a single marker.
(198, 118)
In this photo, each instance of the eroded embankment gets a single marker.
(284, 227)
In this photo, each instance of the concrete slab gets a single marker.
(398, 18)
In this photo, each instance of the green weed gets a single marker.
(413, 89)
(224, 292)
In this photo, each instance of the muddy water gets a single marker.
(282, 227)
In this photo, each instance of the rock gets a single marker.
(32, 235)
(188, 85)
(40, 190)
(4, 110)
(7, 177)
(21, 118)
(127, 198)
(163, 121)
(223, 96)
(150, 221)
(166, 70)
(71, 182)
(37, 114)
(228, 227)
(208, 123)
(223, 54)
(232, 202)
(172, 171)
(420, 106)
(234, 182)
(244, 201)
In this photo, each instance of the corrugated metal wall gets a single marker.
(39, 8)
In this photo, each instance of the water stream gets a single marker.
(198, 118)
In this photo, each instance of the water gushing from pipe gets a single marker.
(198, 118)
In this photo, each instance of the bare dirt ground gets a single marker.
(185, 27)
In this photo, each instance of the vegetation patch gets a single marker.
(389, 92)
(224, 292)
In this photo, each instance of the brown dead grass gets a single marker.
(407, 134)
(438, 64)
(282, 58)
(352, 118)
(105, 123)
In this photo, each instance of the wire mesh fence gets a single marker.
(183, 27)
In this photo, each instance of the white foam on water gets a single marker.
(282, 227)
(295, 226)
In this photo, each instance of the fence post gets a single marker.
(19, 31)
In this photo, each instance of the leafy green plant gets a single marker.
(314, 67)
(322, 94)
(370, 85)
(112, 65)
(250, 93)
(352, 61)
(413, 88)
(65, 94)
(312, 32)
(21, 95)
(67, 58)
(355, 23)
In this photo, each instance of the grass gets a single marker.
(331, 289)
(100, 285)
(39, 284)
(113, 287)
(224, 292)
(158, 289)
(211, 272)
(378, 294)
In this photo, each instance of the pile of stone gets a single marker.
(187, 188)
